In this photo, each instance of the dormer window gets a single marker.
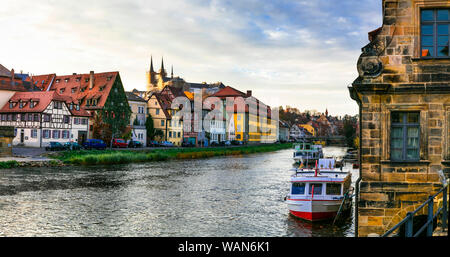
(86, 80)
(101, 88)
(71, 106)
(31, 104)
(66, 80)
(108, 78)
(62, 90)
(20, 105)
(78, 107)
(57, 81)
(74, 89)
(78, 79)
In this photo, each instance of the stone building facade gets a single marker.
(403, 93)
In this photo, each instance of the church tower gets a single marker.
(162, 71)
(151, 76)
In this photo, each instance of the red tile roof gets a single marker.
(41, 101)
(43, 81)
(232, 92)
(229, 91)
(5, 84)
(77, 86)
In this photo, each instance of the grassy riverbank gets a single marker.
(108, 157)
(9, 164)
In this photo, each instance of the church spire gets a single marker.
(151, 64)
(162, 71)
(171, 73)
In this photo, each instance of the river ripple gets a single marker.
(221, 196)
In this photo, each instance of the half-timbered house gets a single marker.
(100, 93)
(42, 117)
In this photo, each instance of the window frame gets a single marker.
(435, 35)
(404, 125)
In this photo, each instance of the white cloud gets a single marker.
(205, 41)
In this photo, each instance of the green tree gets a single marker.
(152, 132)
(350, 130)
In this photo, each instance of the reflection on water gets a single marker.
(223, 196)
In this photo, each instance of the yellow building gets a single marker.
(174, 129)
(309, 128)
(159, 114)
(248, 127)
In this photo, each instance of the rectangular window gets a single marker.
(157, 111)
(317, 188)
(33, 133)
(46, 133)
(55, 134)
(434, 33)
(333, 189)
(46, 117)
(66, 119)
(76, 121)
(3, 117)
(179, 134)
(35, 117)
(65, 134)
(170, 133)
(162, 122)
(298, 188)
(405, 136)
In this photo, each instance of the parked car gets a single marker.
(94, 144)
(215, 143)
(166, 143)
(153, 144)
(187, 144)
(119, 143)
(236, 142)
(226, 143)
(54, 146)
(134, 144)
(72, 146)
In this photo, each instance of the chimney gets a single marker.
(91, 80)
(12, 77)
(249, 93)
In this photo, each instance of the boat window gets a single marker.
(317, 189)
(333, 189)
(307, 147)
(298, 188)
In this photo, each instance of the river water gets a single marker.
(232, 196)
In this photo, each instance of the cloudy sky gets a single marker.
(301, 53)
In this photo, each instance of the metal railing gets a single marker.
(408, 221)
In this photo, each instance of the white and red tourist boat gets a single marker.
(319, 193)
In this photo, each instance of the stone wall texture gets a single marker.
(394, 77)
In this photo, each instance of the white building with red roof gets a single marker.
(43, 117)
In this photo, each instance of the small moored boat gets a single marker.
(318, 194)
(307, 153)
